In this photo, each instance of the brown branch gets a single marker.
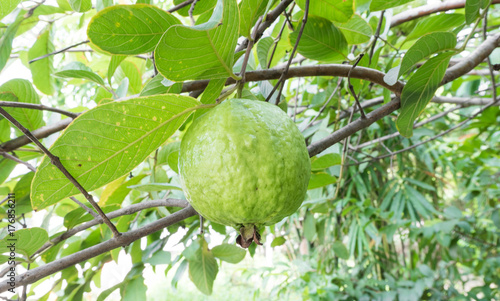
(426, 10)
(55, 161)
(34, 106)
(113, 243)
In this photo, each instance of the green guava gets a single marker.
(244, 164)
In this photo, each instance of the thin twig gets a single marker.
(34, 106)
(57, 162)
(179, 6)
(351, 88)
(281, 81)
(58, 51)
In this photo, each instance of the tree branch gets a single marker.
(113, 243)
(57, 51)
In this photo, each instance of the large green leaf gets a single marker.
(6, 167)
(206, 50)
(321, 41)
(385, 4)
(108, 141)
(129, 29)
(320, 179)
(7, 6)
(80, 5)
(24, 91)
(27, 241)
(229, 253)
(356, 30)
(419, 91)
(203, 268)
(41, 70)
(340, 250)
(443, 22)
(334, 10)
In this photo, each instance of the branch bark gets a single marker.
(119, 241)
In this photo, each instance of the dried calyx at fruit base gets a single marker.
(244, 164)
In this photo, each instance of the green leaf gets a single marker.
(7, 6)
(356, 30)
(250, 11)
(79, 70)
(24, 91)
(334, 10)
(41, 70)
(340, 250)
(129, 29)
(80, 5)
(206, 51)
(113, 64)
(229, 253)
(419, 91)
(203, 269)
(472, 8)
(6, 42)
(443, 22)
(27, 241)
(75, 217)
(321, 41)
(134, 75)
(320, 179)
(107, 142)
(155, 86)
(425, 46)
(278, 241)
(155, 187)
(385, 4)
(325, 161)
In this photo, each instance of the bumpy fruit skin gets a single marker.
(244, 164)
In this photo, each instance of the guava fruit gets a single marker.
(244, 164)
